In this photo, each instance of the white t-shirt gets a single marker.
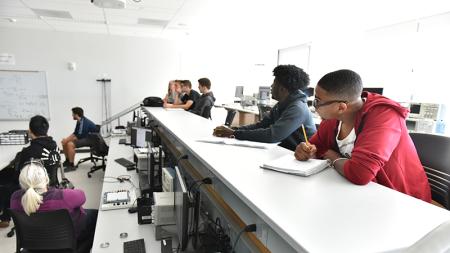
(346, 145)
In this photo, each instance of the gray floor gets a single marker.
(91, 186)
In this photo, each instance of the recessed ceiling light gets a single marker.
(52, 13)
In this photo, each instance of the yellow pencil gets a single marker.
(304, 134)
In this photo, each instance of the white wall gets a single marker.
(138, 67)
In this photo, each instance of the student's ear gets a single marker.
(342, 107)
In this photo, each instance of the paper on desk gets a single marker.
(288, 164)
(240, 143)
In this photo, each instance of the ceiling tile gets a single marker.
(59, 25)
(59, 4)
(17, 12)
(11, 3)
(26, 23)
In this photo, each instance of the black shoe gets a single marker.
(70, 167)
(66, 162)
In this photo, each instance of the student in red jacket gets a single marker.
(365, 136)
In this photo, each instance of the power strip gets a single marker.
(118, 199)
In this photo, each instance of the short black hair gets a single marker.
(186, 83)
(205, 82)
(344, 83)
(39, 125)
(291, 77)
(78, 111)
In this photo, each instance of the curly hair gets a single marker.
(291, 77)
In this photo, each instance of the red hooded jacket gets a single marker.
(383, 151)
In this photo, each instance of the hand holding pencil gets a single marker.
(305, 150)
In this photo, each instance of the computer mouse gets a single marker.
(133, 209)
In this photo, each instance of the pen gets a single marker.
(304, 134)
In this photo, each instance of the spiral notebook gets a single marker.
(288, 164)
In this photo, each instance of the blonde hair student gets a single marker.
(34, 180)
(36, 196)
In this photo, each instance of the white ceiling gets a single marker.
(294, 19)
(168, 16)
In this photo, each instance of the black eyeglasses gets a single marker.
(316, 103)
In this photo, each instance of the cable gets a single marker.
(248, 228)
(206, 180)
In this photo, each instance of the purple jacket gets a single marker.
(55, 199)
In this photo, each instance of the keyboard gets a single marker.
(136, 246)
(125, 163)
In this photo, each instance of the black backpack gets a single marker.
(153, 102)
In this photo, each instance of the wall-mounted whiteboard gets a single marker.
(23, 94)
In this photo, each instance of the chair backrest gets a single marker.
(230, 117)
(263, 110)
(433, 151)
(42, 231)
(207, 112)
(98, 147)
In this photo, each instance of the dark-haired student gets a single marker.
(188, 99)
(365, 136)
(283, 122)
(39, 146)
(79, 137)
(206, 101)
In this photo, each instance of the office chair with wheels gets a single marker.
(99, 150)
(44, 232)
(433, 152)
(91, 158)
(230, 117)
(263, 110)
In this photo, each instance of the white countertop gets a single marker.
(111, 223)
(320, 213)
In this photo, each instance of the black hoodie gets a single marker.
(35, 150)
(204, 104)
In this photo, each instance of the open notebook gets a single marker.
(235, 142)
(288, 164)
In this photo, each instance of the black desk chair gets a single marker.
(44, 232)
(207, 112)
(99, 151)
(263, 110)
(433, 152)
(91, 158)
(230, 117)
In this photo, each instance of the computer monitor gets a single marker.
(264, 93)
(181, 206)
(239, 92)
(374, 90)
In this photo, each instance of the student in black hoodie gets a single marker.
(206, 101)
(284, 121)
(41, 144)
(39, 147)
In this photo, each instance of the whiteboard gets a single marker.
(23, 94)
